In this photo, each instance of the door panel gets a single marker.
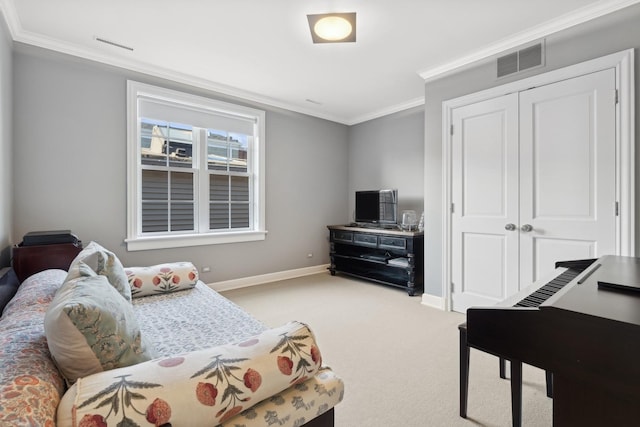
(483, 156)
(548, 251)
(484, 277)
(544, 157)
(567, 172)
(484, 194)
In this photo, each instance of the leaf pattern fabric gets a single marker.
(91, 328)
(195, 388)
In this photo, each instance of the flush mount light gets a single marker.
(333, 27)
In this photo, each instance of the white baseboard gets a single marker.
(434, 301)
(245, 282)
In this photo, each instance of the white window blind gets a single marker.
(195, 115)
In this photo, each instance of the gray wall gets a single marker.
(70, 169)
(69, 152)
(609, 34)
(388, 152)
(5, 144)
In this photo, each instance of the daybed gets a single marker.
(195, 359)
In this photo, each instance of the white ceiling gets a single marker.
(261, 50)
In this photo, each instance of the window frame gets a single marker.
(136, 240)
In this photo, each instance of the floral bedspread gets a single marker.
(30, 384)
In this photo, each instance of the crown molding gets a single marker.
(386, 111)
(164, 73)
(564, 22)
(156, 71)
(8, 12)
(18, 34)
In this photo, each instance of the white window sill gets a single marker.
(185, 240)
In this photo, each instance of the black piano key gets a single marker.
(548, 290)
(536, 297)
(545, 293)
(525, 303)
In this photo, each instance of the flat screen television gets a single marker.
(377, 207)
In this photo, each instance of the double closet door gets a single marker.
(533, 182)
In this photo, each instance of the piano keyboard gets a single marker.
(548, 290)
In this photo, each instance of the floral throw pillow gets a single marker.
(91, 328)
(200, 388)
(161, 278)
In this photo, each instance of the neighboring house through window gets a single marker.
(195, 170)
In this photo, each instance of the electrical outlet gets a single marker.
(206, 269)
(310, 255)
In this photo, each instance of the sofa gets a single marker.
(76, 351)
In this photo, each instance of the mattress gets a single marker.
(192, 319)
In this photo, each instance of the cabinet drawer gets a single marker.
(392, 242)
(343, 236)
(365, 240)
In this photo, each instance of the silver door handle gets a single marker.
(526, 228)
(510, 227)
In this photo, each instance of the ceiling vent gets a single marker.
(520, 60)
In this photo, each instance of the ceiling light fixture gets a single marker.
(333, 27)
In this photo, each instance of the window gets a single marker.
(195, 170)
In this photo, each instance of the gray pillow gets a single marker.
(91, 328)
(105, 263)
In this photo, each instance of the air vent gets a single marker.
(508, 64)
(523, 59)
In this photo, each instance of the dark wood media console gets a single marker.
(391, 257)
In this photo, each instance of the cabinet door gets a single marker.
(485, 254)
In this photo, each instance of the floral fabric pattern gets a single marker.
(30, 385)
(296, 405)
(90, 328)
(197, 388)
(161, 278)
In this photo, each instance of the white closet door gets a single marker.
(485, 199)
(543, 160)
(567, 172)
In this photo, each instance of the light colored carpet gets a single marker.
(397, 357)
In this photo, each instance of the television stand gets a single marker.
(394, 227)
(388, 256)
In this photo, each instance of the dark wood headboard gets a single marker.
(28, 260)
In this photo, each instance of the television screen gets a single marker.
(377, 206)
(367, 206)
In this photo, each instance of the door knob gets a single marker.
(526, 228)
(510, 227)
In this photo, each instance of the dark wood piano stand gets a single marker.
(548, 376)
(516, 380)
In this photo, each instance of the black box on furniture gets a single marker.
(55, 237)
